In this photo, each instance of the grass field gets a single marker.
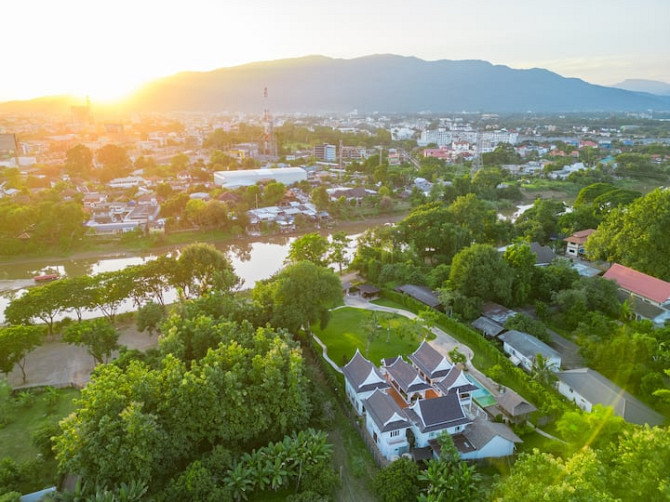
(346, 332)
(26, 413)
(25, 418)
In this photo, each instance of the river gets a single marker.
(252, 261)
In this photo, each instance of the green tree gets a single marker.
(79, 161)
(320, 198)
(109, 290)
(398, 482)
(115, 162)
(479, 271)
(300, 294)
(311, 247)
(521, 260)
(149, 317)
(636, 236)
(16, 342)
(273, 193)
(339, 243)
(449, 478)
(99, 337)
(201, 268)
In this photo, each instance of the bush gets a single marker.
(41, 438)
(398, 482)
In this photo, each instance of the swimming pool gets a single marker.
(481, 396)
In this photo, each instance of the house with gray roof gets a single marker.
(387, 424)
(406, 380)
(484, 439)
(586, 388)
(514, 407)
(524, 348)
(488, 327)
(361, 379)
(497, 313)
(456, 382)
(430, 364)
(421, 293)
(432, 417)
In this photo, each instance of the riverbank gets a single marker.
(130, 249)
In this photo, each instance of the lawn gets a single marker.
(26, 412)
(25, 418)
(346, 332)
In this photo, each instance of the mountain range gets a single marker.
(381, 83)
(642, 85)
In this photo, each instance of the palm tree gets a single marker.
(543, 371)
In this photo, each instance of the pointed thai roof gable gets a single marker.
(438, 413)
(384, 412)
(455, 381)
(638, 283)
(430, 361)
(406, 377)
(362, 375)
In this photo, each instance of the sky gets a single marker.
(105, 49)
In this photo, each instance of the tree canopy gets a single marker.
(637, 235)
(300, 294)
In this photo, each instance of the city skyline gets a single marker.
(106, 50)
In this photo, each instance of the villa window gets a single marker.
(395, 434)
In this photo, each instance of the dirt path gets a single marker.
(61, 365)
(352, 489)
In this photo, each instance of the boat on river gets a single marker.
(45, 277)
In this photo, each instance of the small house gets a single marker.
(586, 388)
(524, 348)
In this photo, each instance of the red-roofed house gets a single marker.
(646, 287)
(576, 242)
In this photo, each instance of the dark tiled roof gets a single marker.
(363, 375)
(544, 255)
(497, 312)
(513, 404)
(430, 361)
(385, 412)
(406, 376)
(368, 289)
(451, 382)
(481, 432)
(488, 326)
(421, 293)
(437, 414)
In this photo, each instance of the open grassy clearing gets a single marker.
(26, 413)
(346, 332)
(30, 410)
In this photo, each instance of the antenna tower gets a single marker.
(269, 145)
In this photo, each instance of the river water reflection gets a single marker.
(251, 260)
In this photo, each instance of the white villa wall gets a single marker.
(565, 390)
(497, 447)
(389, 443)
(422, 438)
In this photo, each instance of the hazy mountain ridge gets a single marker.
(643, 85)
(383, 83)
